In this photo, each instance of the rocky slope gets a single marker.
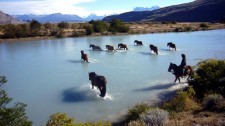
(197, 11)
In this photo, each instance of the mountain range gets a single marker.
(196, 11)
(146, 8)
(57, 17)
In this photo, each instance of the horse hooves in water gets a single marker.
(99, 82)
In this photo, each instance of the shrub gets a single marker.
(63, 25)
(60, 119)
(213, 102)
(178, 29)
(89, 29)
(182, 101)
(136, 123)
(203, 26)
(14, 115)
(118, 26)
(99, 26)
(209, 78)
(135, 112)
(155, 117)
(188, 28)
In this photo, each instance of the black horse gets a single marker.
(84, 56)
(110, 48)
(139, 43)
(123, 46)
(153, 48)
(171, 45)
(178, 71)
(95, 48)
(98, 81)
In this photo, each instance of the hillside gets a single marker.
(197, 11)
(7, 19)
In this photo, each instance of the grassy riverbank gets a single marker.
(78, 30)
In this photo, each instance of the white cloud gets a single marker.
(45, 7)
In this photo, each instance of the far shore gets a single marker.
(136, 28)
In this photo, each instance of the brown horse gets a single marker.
(84, 56)
(123, 46)
(95, 48)
(153, 48)
(171, 45)
(110, 48)
(139, 43)
(99, 82)
(178, 71)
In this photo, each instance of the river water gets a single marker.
(49, 76)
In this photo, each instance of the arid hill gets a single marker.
(197, 11)
(7, 19)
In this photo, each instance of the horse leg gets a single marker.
(179, 79)
(103, 91)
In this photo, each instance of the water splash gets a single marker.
(96, 92)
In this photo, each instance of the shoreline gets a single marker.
(135, 28)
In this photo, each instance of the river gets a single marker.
(49, 76)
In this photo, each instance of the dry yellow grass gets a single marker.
(147, 27)
(199, 119)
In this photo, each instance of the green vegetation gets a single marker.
(62, 119)
(182, 101)
(209, 78)
(204, 93)
(11, 116)
(118, 26)
(203, 26)
(62, 29)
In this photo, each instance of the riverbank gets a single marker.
(135, 28)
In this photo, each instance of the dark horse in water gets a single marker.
(84, 56)
(178, 71)
(139, 43)
(123, 46)
(99, 82)
(95, 48)
(171, 45)
(110, 48)
(153, 48)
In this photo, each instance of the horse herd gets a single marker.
(100, 81)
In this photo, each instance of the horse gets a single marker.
(171, 45)
(178, 71)
(153, 48)
(110, 48)
(84, 56)
(139, 43)
(99, 82)
(121, 45)
(95, 48)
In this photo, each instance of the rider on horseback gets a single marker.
(183, 64)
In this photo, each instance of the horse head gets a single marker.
(171, 67)
(119, 45)
(92, 75)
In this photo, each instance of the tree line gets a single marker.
(62, 29)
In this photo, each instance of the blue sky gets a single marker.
(80, 7)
